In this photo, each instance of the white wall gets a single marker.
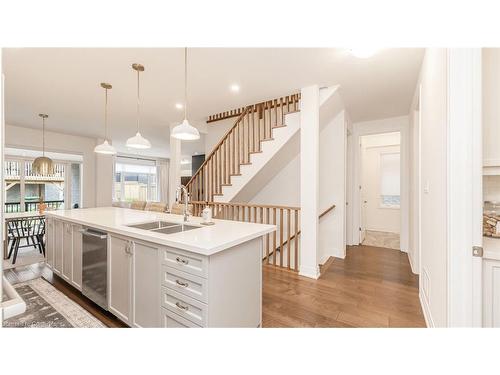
(104, 167)
(332, 186)
(215, 131)
(21, 137)
(414, 186)
(376, 217)
(284, 187)
(433, 110)
(491, 106)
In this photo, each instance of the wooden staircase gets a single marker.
(253, 126)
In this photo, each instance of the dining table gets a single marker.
(10, 216)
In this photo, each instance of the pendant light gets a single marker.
(105, 148)
(43, 165)
(185, 131)
(138, 141)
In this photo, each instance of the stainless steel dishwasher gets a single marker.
(95, 266)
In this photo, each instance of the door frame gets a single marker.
(389, 125)
(464, 187)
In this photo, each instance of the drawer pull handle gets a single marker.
(182, 307)
(180, 283)
(180, 260)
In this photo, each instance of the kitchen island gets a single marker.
(156, 271)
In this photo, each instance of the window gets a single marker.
(24, 190)
(390, 180)
(135, 179)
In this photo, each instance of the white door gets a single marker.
(77, 256)
(146, 286)
(58, 247)
(120, 278)
(67, 266)
(49, 242)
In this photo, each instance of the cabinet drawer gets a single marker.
(172, 320)
(187, 262)
(185, 306)
(185, 283)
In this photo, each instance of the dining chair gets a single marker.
(31, 230)
(156, 206)
(138, 205)
(178, 208)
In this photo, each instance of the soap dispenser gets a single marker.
(207, 214)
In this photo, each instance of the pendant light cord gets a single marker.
(106, 114)
(43, 136)
(185, 83)
(138, 99)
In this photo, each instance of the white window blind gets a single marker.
(389, 174)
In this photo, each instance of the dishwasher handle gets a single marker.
(86, 232)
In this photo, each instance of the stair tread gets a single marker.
(256, 152)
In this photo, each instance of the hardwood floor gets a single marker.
(371, 287)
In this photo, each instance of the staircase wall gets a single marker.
(282, 186)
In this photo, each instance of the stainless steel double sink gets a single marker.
(164, 227)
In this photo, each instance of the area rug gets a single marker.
(46, 307)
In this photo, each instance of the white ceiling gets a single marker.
(64, 82)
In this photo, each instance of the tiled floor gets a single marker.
(381, 239)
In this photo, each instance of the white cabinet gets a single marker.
(76, 278)
(491, 293)
(120, 277)
(49, 241)
(67, 256)
(145, 285)
(58, 247)
(134, 282)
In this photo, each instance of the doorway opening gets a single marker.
(380, 192)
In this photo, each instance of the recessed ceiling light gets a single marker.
(235, 88)
(179, 106)
(363, 53)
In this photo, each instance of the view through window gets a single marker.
(135, 179)
(24, 190)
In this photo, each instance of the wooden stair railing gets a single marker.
(284, 217)
(319, 217)
(254, 125)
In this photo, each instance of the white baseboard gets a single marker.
(311, 272)
(324, 258)
(412, 266)
(429, 322)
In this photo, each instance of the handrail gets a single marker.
(285, 218)
(319, 217)
(236, 112)
(218, 144)
(326, 211)
(254, 125)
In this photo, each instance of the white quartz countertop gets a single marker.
(206, 240)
